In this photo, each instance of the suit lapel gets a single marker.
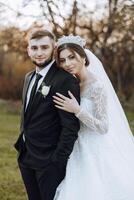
(48, 82)
(26, 86)
(49, 76)
(24, 95)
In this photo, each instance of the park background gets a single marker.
(107, 26)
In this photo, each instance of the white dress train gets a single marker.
(97, 169)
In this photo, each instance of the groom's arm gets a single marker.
(69, 122)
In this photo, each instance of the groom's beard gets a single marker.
(44, 64)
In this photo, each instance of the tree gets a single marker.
(110, 37)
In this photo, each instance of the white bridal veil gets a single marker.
(119, 130)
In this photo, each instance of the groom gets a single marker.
(47, 133)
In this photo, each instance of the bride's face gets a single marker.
(71, 61)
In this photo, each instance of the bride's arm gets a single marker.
(97, 122)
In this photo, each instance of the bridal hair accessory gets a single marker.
(71, 39)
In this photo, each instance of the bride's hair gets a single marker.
(74, 48)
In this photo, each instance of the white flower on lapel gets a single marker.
(45, 90)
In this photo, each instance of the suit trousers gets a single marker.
(41, 183)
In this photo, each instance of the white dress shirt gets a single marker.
(43, 73)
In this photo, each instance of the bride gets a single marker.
(102, 162)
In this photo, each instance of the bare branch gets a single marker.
(18, 13)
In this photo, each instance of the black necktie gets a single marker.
(34, 88)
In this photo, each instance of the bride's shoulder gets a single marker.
(96, 87)
(93, 88)
(95, 82)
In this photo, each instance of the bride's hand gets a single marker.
(67, 104)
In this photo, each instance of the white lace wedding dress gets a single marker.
(96, 170)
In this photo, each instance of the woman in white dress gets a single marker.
(102, 162)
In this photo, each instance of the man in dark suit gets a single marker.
(47, 134)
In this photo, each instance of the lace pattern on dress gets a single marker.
(98, 121)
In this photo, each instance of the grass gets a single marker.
(11, 186)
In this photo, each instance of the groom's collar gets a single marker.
(44, 71)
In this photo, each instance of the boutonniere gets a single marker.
(44, 89)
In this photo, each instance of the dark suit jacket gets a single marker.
(49, 132)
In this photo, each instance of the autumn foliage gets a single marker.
(110, 38)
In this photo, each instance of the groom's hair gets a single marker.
(39, 33)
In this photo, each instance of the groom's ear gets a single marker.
(84, 61)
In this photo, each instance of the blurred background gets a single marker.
(107, 26)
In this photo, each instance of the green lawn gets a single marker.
(11, 187)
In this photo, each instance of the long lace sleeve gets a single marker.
(98, 121)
